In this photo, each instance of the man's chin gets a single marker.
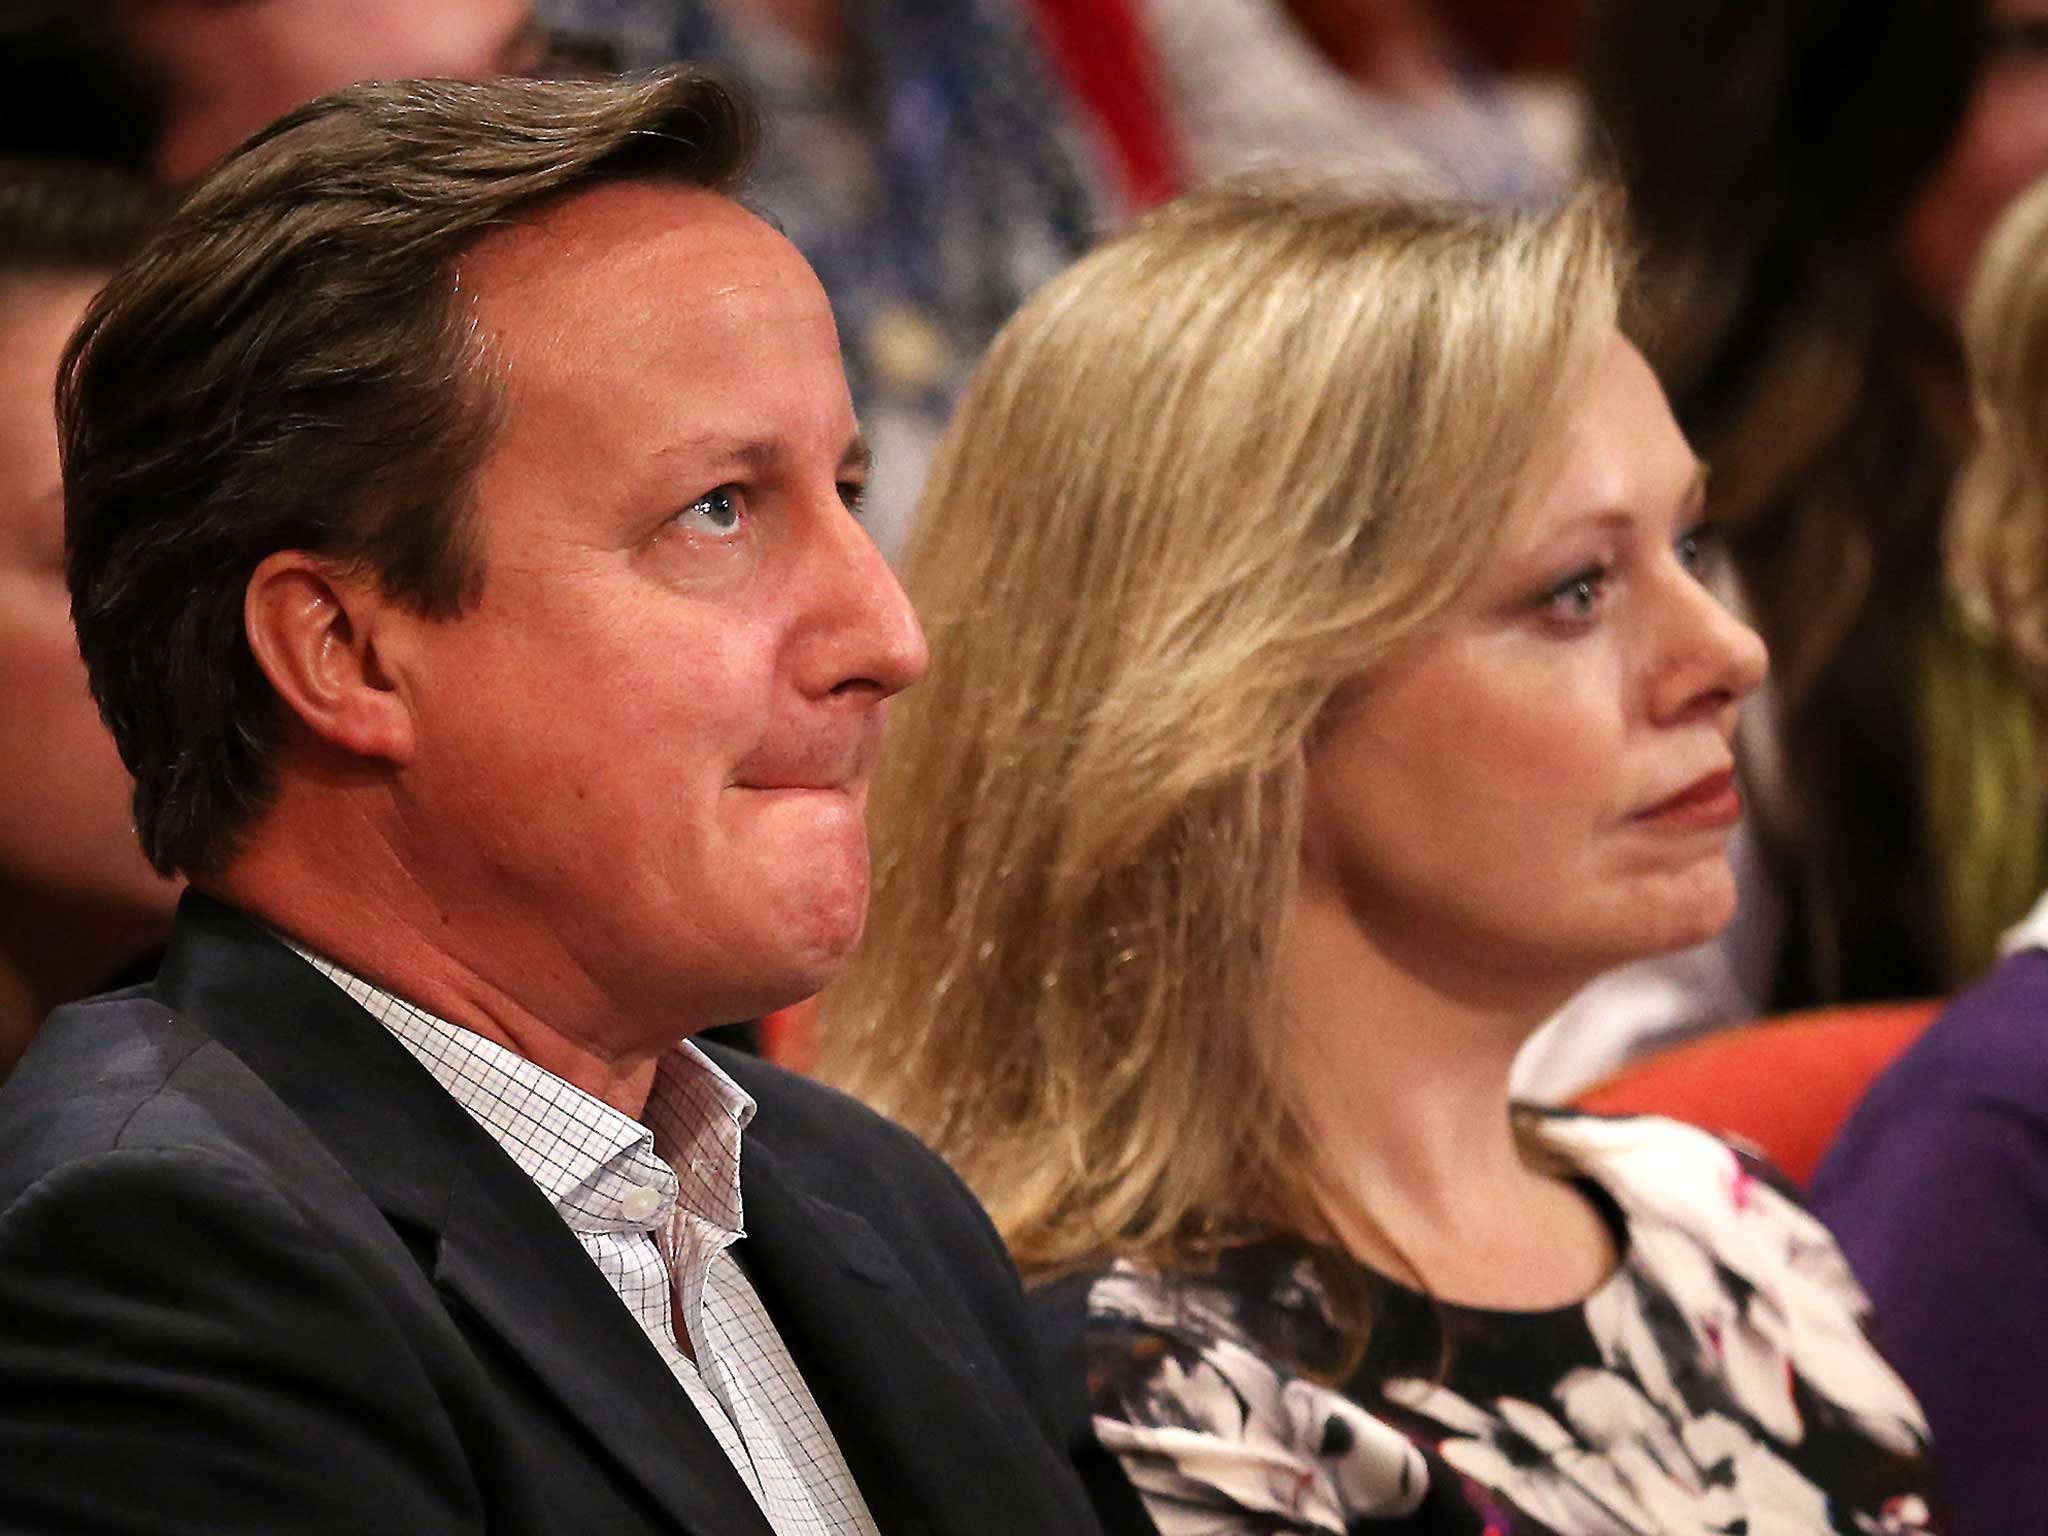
(786, 989)
(819, 937)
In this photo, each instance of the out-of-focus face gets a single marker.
(646, 748)
(67, 843)
(2001, 147)
(234, 67)
(1541, 788)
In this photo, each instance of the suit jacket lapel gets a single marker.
(856, 1324)
(555, 1310)
(502, 1250)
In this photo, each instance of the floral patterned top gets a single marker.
(1719, 1381)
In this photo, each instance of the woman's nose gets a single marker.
(1712, 658)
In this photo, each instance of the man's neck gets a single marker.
(517, 994)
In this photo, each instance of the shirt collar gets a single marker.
(600, 1168)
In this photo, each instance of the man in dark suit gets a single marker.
(461, 505)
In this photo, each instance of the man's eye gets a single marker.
(853, 495)
(717, 512)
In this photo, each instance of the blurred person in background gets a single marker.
(168, 86)
(1324, 686)
(927, 158)
(78, 902)
(1379, 93)
(1516, 36)
(1938, 1185)
(1811, 180)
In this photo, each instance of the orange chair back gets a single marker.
(1784, 1084)
(789, 1036)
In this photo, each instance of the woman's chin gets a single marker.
(1693, 908)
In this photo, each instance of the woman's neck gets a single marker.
(1403, 1078)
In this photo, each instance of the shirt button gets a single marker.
(640, 1202)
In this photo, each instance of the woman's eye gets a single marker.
(1703, 550)
(1695, 548)
(853, 495)
(717, 512)
(1576, 600)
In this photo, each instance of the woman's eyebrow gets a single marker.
(1697, 491)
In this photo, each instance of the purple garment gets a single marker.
(1938, 1192)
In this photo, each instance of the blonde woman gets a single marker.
(1937, 1184)
(1324, 688)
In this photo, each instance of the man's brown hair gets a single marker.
(289, 365)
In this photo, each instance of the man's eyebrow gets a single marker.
(719, 448)
(754, 453)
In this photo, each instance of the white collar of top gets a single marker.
(2030, 932)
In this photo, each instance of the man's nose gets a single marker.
(861, 638)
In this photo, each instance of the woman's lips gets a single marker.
(1709, 802)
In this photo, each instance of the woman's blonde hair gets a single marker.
(1998, 515)
(1219, 468)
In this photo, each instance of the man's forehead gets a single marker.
(661, 228)
(621, 276)
(611, 277)
(642, 314)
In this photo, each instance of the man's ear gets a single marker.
(314, 632)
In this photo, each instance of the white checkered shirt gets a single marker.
(657, 1208)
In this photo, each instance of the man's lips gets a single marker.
(1709, 801)
(844, 772)
(837, 757)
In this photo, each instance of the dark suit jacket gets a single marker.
(258, 1272)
